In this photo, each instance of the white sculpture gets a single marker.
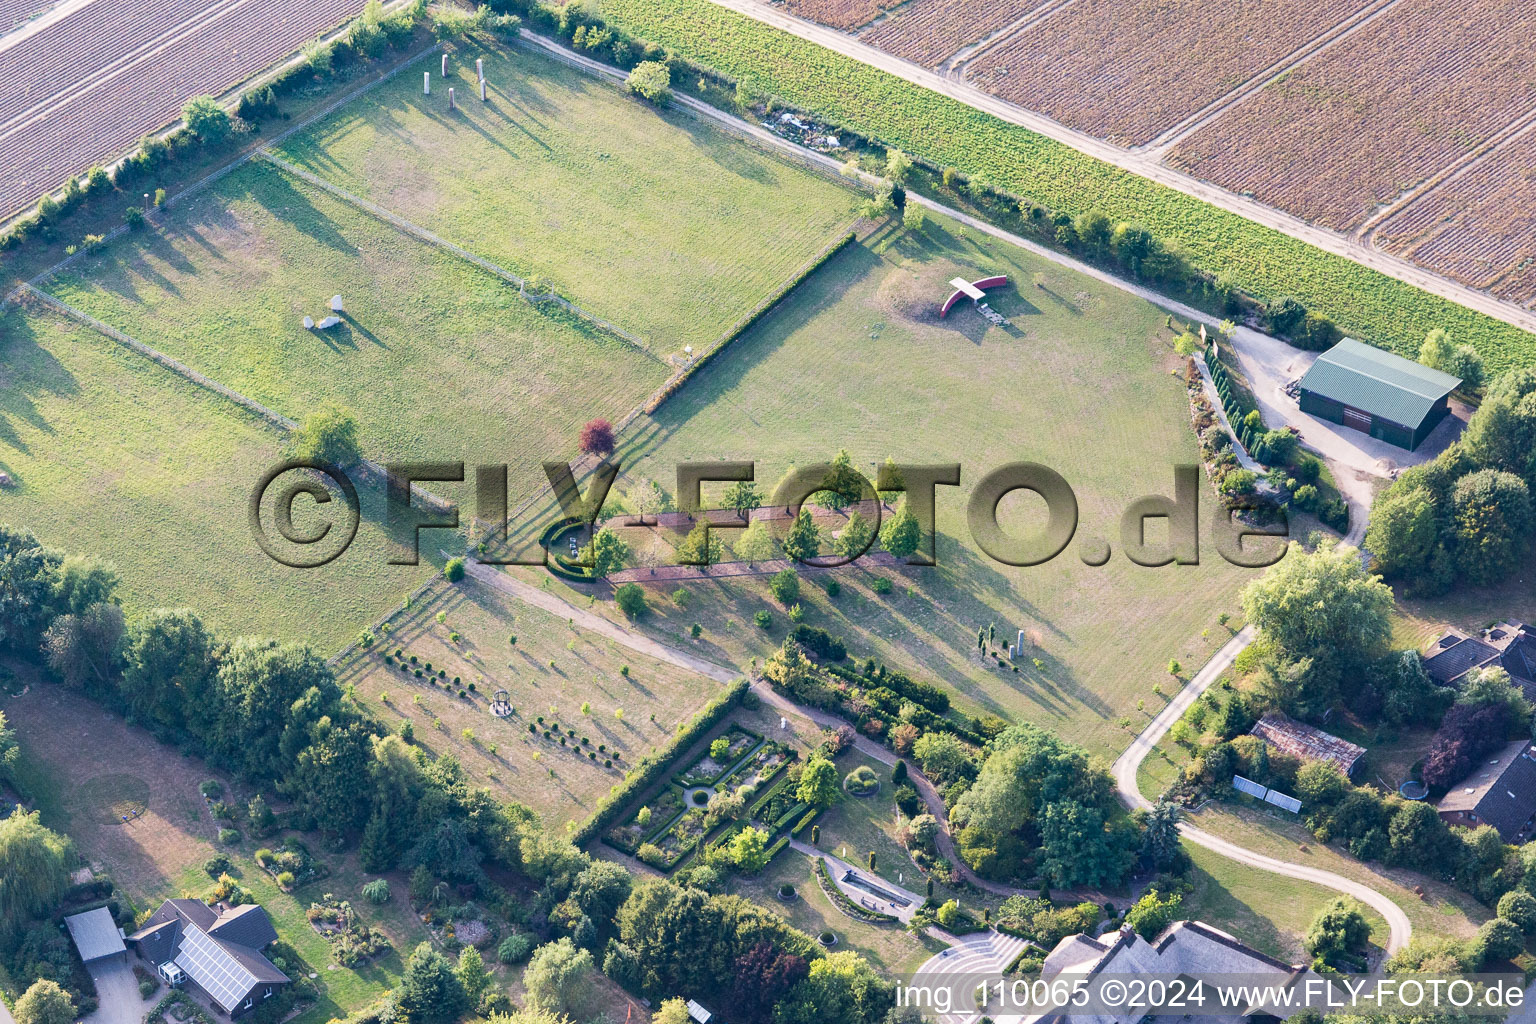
(426, 83)
(336, 304)
(309, 323)
(330, 321)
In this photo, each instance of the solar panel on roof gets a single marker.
(213, 968)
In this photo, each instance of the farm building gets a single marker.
(1508, 645)
(1289, 736)
(1363, 387)
(1501, 793)
(96, 935)
(218, 950)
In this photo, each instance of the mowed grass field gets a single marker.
(76, 755)
(115, 455)
(550, 673)
(656, 221)
(1081, 383)
(438, 359)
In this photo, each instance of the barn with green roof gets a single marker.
(1393, 399)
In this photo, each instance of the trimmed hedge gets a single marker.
(658, 764)
(805, 822)
(819, 642)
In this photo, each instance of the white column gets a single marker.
(426, 83)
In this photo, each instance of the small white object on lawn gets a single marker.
(328, 322)
(309, 323)
(783, 722)
(336, 304)
(426, 83)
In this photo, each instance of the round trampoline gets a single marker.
(1413, 789)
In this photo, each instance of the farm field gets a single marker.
(1267, 263)
(1128, 70)
(116, 456)
(1411, 92)
(82, 761)
(910, 387)
(928, 32)
(438, 359)
(658, 222)
(1477, 226)
(1269, 912)
(551, 672)
(74, 114)
(845, 14)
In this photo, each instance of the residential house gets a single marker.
(1501, 791)
(218, 949)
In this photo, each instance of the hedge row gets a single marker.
(819, 642)
(658, 764)
(741, 326)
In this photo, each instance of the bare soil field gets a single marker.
(553, 671)
(1479, 226)
(1127, 70)
(94, 93)
(1375, 115)
(928, 32)
(845, 14)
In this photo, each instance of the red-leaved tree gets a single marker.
(597, 437)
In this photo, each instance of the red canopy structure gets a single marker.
(973, 290)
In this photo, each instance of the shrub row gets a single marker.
(819, 642)
(656, 765)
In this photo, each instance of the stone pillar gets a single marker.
(451, 105)
(482, 90)
(445, 65)
(480, 68)
(426, 83)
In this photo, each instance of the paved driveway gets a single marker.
(118, 991)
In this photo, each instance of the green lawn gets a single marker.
(115, 455)
(1267, 911)
(656, 221)
(1081, 383)
(440, 360)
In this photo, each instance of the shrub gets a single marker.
(216, 865)
(147, 988)
(631, 600)
(762, 619)
(212, 789)
(834, 588)
(228, 836)
(862, 781)
(882, 585)
(515, 948)
(377, 891)
(785, 585)
(652, 81)
(454, 570)
(285, 879)
(264, 857)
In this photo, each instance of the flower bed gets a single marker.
(291, 859)
(707, 771)
(631, 834)
(352, 942)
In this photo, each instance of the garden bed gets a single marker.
(708, 770)
(352, 941)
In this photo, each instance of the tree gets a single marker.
(1321, 604)
(856, 536)
(804, 539)
(10, 754)
(601, 889)
(34, 862)
(897, 165)
(596, 437)
(45, 1003)
(1338, 930)
(83, 581)
(840, 987)
(1160, 840)
(169, 665)
(785, 586)
(743, 496)
(652, 81)
(842, 486)
(1496, 940)
(913, 216)
(1492, 514)
(1079, 847)
(1153, 912)
(1439, 353)
(702, 546)
(558, 977)
(755, 544)
(607, 553)
(430, 991)
(673, 1011)
(1519, 908)
(267, 695)
(818, 782)
(764, 975)
(329, 434)
(82, 649)
(1095, 231)
(472, 974)
(1403, 532)
(631, 600)
(748, 850)
(28, 575)
(207, 120)
(902, 533)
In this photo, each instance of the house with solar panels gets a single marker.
(1393, 399)
(219, 950)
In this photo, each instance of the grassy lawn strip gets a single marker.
(117, 456)
(439, 360)
(657, 221)
(1269, 912)
(1265, 262)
